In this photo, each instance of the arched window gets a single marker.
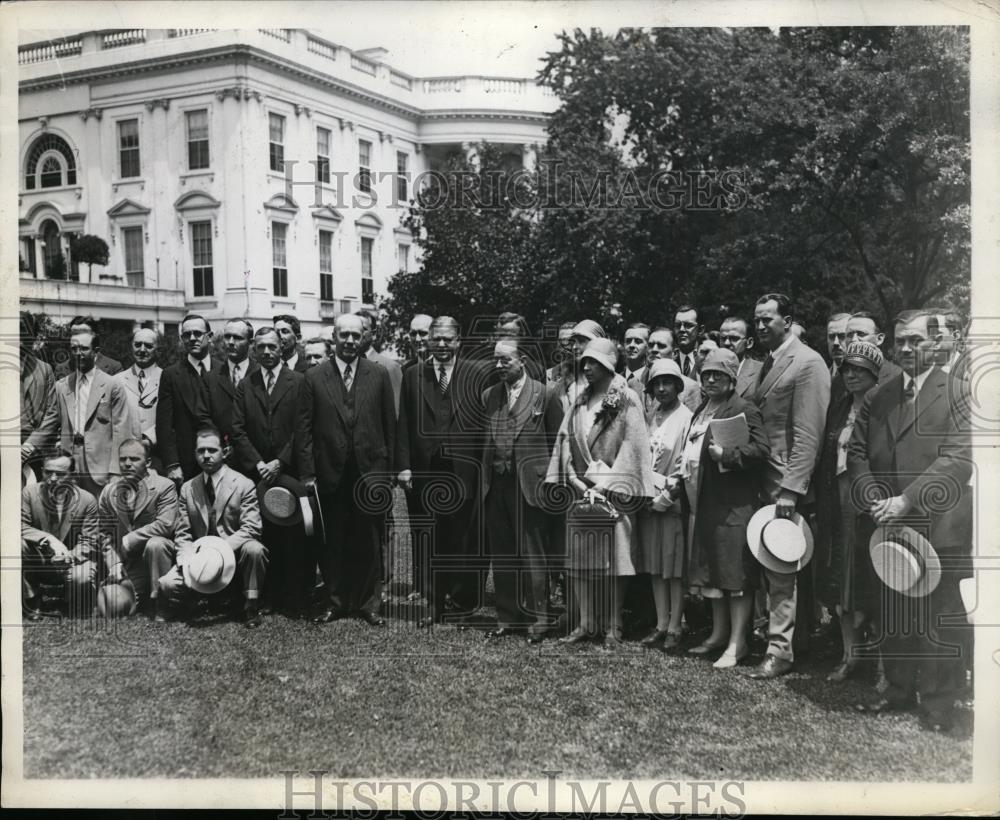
(50, 164)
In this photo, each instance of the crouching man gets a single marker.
(58, 539)
(137, 514)
(219, 502)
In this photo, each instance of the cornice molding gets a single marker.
(159, 102)
(96, 113)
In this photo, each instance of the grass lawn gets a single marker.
(138, 699)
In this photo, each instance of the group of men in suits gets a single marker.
(467, 434)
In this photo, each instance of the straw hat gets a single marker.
(287, 502)
(904, 560)
(210, 566)
(781, 544)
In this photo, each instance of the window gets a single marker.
(28, 262)
(367, 286)
(201, 258)
(322, 155)
(345, 306)
(365, 163)
(326, 266)
(403, 258)
(45, 149)
(279, 232)
(277, 131)
(402, 163)
(132, 242)
(128, 148)
(197, 139)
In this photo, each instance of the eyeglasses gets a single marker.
(192, 334)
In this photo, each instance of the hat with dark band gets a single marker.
(904, 560)
(210, 565)
(287, 502)
(780, 544)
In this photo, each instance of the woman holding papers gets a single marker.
(660, 524)
(841, 579)
(720, 466)
(602, 452)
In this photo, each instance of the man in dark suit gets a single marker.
(636, 346)
(222, 382)
(347, 430)
(687, 331)
(910, 463)
(441, 424)
(522, 425)
(103, 363)
(420, 330)
(183, 404)
(39, 409)
(793, 392)
(836, 341)
(864, 327)
(290, 332)
(734, 335)
(265, 421)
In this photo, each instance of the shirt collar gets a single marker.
(918, 382)
(789, 338)
(342, 365)
(241, 368)
(292, 360)
(197, 363)
(516, 387)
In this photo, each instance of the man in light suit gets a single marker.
(141, 382)
(220, 502)
(793, 392)
(103, 363)
(265, 423)
(910, 462)
(441, 427)
(734, 335)
(94, 415)
(347, 429)
(182, 407)
(636, 346)
(137, 515)
(222, 383)
(523, 421)
(58, 537)
(39, 408)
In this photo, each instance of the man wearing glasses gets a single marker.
(141, 382)
(182, 408)
(734, 335)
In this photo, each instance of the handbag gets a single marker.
(590, 533)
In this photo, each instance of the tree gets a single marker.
(91, 250)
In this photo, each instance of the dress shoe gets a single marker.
(654, 638)
(501, 632)
(843, 671)
(533, 640)
(371, 618)
(882, 705)
(706, 648)
(771, 667)
(728, 660)
(251, 615)
(328, 615)
(578, 635)
(671, 642)
(613, 641)
(161, 613)
(32, 615)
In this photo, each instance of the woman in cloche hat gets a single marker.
(722, 487)
(843, 581)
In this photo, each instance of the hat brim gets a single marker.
(764, 556)
(294, 517)
(221, 546)
(931, 577)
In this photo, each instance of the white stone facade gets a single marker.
(166, 144)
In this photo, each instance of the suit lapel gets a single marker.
(930, 393)
(780, 366)
(147, 497)
(96, 392)
(225, 379)
(524, 407)
(334, 384)
(190, 382)
(428, 387)
(71, 399)
(224, 488)
(281, 386)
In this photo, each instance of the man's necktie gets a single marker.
(442, 379)
(142, 382)
(210, 495)
(236, 377)
(687, 365)
(768, 364)
(82, 398)
(201, 370)
(270, 381)
(348, 378)
(909, 392)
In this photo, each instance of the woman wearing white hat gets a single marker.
(660, 525)
(722, 487)
(602, 452)
(841, 578)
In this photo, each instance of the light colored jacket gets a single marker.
(145, 417)
(237, 511)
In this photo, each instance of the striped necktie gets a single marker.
(442, 379)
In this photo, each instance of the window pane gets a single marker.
(197, 123)
(326, 251)
(277, 127)
(364, 153)
(128, 147)
(366, 257)
(402, 160)
(403, 254)
(326, 287)
(278, 232)
(132, 241)
(201, 243)
(51, 173)
(323, 142)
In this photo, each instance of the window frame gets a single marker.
(402, 176)
(131, 230)
(136, 149)
(202, 273)
(325, 276)
(368, 282)
(323, 160)
(279, 273)
(190, 143)
(276, 150)
(365, 170)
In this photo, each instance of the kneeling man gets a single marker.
(221, 502)
(137, 512)
(58, 538)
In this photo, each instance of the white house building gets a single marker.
(177, 146)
